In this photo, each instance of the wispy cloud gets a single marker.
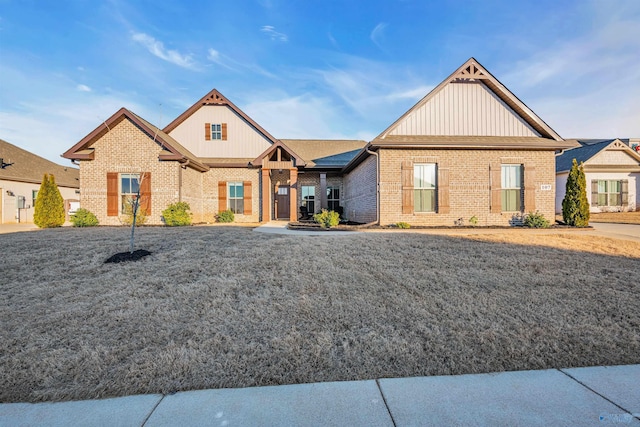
(156, 47)
(378, 33)
(273, 34)
(83, 88)
(226, 61)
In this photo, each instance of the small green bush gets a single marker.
(473, 220)
(535, 220)
(225, 216)
(127, 215)
(327, 218)
(177, 214)
(403, 225)
(84, 218)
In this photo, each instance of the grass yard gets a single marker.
(617, 217)
(226, 307)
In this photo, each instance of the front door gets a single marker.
(282, 202)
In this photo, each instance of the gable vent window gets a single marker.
(215, 131)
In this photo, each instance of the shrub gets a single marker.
(535, 220)
(327, 218)
(575, 206)
(403, 225)
(473, 220)
(176, 214)
(225, 216)
(49, 208)
(127, 215)
(83, 218)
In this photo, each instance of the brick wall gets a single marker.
(127, 149)
(469, 184)
(210, 181)
(360, 198)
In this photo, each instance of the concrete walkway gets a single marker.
(594, 396)
(617, 231)
(280, 227)
(14, 228)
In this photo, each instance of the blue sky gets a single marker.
(308, 69)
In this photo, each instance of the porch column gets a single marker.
(323, 191)
(293, 211)
(266, 196)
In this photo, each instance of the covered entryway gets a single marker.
(282, 202)
(279, 182)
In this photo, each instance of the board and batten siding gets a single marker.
(243, 140)
(464, 109)
(612, 157)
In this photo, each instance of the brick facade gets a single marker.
(469, 184)
(360, 192)
(127, 149)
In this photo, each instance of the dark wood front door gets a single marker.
(282, 202)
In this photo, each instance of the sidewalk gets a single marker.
(596, 396)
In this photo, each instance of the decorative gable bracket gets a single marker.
(470, 72)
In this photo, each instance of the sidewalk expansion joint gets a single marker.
(384, 399)
(599, 394)
(152, 411)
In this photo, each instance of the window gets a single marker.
(129, 185)
(308, 198)
(609, 193)
(511, 185)
(333, 198)
(34, 196)
(424, 188)
(236, 197)
(216, 131)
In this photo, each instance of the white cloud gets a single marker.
(302, 117)
(273, 34)
(156, 47)
(378, 34)
(83, 88)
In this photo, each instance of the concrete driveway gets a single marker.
(14, 228)
(617, 231)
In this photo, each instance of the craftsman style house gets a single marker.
(612, 171)
(469, 148)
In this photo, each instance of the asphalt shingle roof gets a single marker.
(584, 152)
(29, 167)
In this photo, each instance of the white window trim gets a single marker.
(434, 189)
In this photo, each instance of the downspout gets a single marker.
(377, 185)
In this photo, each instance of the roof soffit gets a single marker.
(473, 71)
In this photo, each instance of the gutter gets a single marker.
(377, 183)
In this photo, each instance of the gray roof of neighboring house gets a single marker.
(29, 167)
(325, 153)
(586, 150)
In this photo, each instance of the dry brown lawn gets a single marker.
(617, 217)
(226, 307)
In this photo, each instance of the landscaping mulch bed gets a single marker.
(215, 307)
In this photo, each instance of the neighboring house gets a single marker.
(469, 148)
(612, 171)
(20, 182)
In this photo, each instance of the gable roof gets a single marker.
(29, 167)
(323, 153)
(258, 160)
(587, 149)
(472, 70)
(216, 98)
(172, 149)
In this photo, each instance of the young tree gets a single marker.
(49, 208)
(575, 206)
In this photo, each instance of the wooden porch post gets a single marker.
(323, 191)
(293, 212)
(266, 196)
